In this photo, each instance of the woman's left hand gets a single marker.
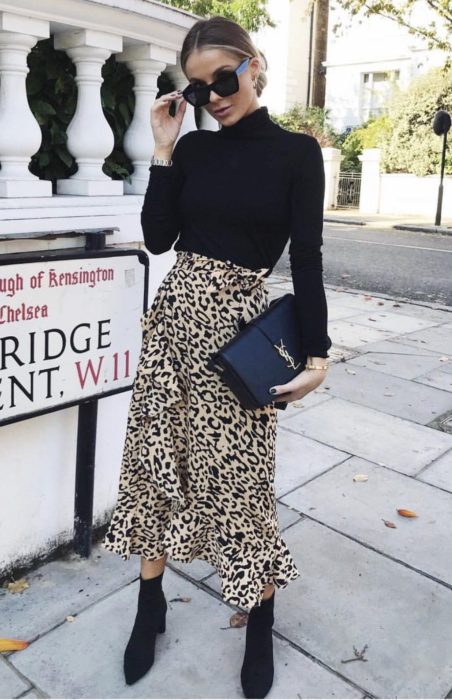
(299, 386)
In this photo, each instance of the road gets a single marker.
(405, 264)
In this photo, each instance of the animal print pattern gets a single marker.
(198, 469)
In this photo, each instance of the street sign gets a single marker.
(69, 327)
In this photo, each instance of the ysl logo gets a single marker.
(283, 352)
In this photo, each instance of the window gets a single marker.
(375, 90)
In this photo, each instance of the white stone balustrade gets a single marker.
(20, 134)
(90, 138)
(146, 63)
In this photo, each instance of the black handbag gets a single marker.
(267, 351)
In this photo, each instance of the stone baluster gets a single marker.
(146, 62)
(180, 82)
(90, 138)
(20, 134)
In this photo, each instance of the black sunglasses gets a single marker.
(226, 85)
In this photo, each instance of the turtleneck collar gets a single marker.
(249, 126)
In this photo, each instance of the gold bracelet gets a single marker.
(311, 366)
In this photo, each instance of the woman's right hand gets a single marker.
(165, 127)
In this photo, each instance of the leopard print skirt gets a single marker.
(197, 474)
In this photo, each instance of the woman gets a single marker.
(197, 478)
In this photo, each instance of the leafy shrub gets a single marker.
(309, 120)
(371, 134)
(411, 146)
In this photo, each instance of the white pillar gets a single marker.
(209, 122)
(369, 200)
(90, 138)
(180, 82)
(332, 165)
(146, 63)
(20, 133)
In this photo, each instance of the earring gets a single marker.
(255, 83)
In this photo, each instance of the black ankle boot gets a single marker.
(150, 619)
(257, 669)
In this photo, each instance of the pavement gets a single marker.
(408, 222)
(375, 593)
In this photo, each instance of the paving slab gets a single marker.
(63, 587)
(398, 397)
(437, 378)
(358, 510)
(439, 472)
(299, 459)
(378, 437)
(195, 658)
(349, 334)
(405, 361)
(348, 595)
(314, 398)
(391, 321)
(437, 338)
(362, 302)
(286, 516)
(337, 312)
(11, 684)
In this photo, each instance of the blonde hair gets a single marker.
(221, 33)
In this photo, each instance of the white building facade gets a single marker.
(365, 57)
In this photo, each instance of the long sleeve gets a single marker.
(160, 220)
(306, 226)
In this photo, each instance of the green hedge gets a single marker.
(411, 146)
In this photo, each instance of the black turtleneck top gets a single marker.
(240, 194)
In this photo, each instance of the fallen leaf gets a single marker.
(397, 305)
(389, 523)
(238, 619)
(407, 513)
(367, 296)
(380, 303)
(389, 393)
(18, 586)
(71, 618)
(13, 644)
(360, 477)
(180, 600)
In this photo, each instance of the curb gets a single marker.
(423, 228)
(446, 231)
(340, 220)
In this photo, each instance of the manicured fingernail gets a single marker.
(272, 391)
